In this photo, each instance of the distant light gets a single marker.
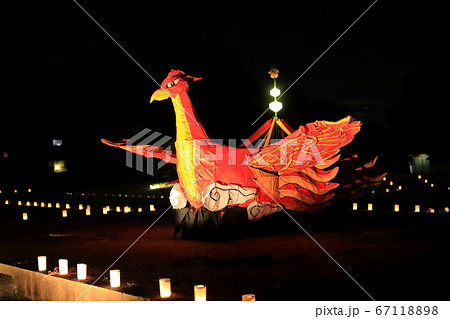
(152, 208)
(25, 216)
(275, 92)
(64, 213)
(396, 207)
(355, 206)
(369, 207)
(57, 142)
(417, 209)
(248, 297)
(275, 106)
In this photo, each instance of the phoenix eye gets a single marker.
(174, 82)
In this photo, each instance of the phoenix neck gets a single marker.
(188, 124)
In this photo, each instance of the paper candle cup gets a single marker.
(42, 263)
(81, 271)
(200, 293)
(63, 265)
(164, 288)
(114, 278)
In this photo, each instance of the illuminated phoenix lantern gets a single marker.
(294, 173)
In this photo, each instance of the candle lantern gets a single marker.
(396, 208)
(80, 207)
(42, 204)
(64, 213)
(369, 207)
(67, 206)
(49, 205)
(355, 206)
(164, 288)
(200, 293)
(28, 203)
(81, 271)
(35, 204)
(25, 216)
(118, 209)
(114, 278)
(417, 208)
(19, 203)
(248, 297)
(42, 263)
(105, 210)
(63, 265)
(152, 208)
(57, 205)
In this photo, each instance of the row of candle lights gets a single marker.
(105, 210)
(165, 290)
(397, 208)
(94, 194)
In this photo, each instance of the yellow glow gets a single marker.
(67, 206)
(57, 205)
(49, 205)
(25, 216)
(396, 208)
(417, 208)
(80, 207)
(105, 210)
(64, 213)
(28, 204)
(19, 203)
(164, 288)
(369, 207)
(355, 206)
(200, 293)
(387, 190)
(152, 208)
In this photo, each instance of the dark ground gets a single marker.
(393, 256)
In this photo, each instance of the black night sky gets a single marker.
(63, 77)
